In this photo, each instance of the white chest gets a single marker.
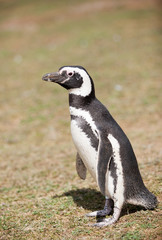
(87, 152)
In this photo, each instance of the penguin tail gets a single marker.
(148, 199)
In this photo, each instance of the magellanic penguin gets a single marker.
(102, 146)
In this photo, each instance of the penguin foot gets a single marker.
(101, 213)
(105, 222)
(108, 221)
(108, 208)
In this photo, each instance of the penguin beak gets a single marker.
(52, 77)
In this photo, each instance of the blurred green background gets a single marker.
(119, 43)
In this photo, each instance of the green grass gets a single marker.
(41, 196)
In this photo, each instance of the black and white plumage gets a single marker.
(102, 147)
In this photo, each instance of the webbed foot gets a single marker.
(105, 222)
(105, 212)
(101, 213)
(108, 221)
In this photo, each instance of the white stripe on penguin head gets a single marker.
(86, 86)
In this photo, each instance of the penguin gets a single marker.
(102, 147)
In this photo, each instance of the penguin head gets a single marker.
(73, 78)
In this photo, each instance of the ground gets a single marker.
(119, 43)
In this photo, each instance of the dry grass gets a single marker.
(41, 194)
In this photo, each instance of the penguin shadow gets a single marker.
(93, 200)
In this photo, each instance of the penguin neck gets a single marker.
(78, 101)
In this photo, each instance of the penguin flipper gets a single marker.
(80, 167)
(105, 154)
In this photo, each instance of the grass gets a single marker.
(120, 45)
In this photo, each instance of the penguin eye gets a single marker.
(70, 74)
